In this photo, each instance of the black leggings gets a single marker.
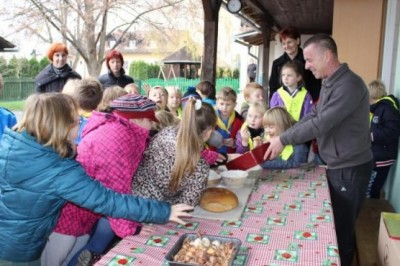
(376, 181)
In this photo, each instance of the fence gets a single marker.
(19, 88)
(183, 83)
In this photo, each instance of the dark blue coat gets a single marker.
(49, 81)
(109, 80)
(385, 129)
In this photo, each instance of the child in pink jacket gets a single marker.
(110, 151)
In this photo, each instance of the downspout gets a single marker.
(248, 49)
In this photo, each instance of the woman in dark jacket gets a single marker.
(290, 40)
(116, 74)
(54, 76)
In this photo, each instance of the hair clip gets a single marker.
(197, 105)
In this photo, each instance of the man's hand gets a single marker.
(275, 148)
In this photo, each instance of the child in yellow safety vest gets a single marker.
(251, 133)
(276, 120)
(385, 132)
(292, 95)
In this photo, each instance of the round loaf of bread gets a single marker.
(218, 200)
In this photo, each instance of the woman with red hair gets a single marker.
(54, 76)
(290, 41)
(116, 73)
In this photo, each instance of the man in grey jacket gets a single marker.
(340, 123)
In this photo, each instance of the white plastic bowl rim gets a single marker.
(234, 174)
(213, 175)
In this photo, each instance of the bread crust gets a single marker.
(218, 200)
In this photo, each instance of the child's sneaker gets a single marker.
(87, 258)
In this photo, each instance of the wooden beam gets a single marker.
(266, 33)
(266, 16)
(209, 60)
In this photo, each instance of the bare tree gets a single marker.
(84, 24)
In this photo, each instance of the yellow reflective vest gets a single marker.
(294, 104)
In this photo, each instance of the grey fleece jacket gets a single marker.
(340, 121)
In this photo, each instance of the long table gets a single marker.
(288, 220)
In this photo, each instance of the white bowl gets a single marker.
(234, 178)
(213, 178)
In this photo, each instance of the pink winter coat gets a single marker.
(110, 151)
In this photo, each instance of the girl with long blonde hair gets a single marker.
(172, 168)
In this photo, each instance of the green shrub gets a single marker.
(235, 73)
(138, 70)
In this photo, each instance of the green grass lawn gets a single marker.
(13, 105)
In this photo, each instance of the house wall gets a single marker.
(358, 30)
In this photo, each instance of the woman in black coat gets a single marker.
(290, 40)
(116, 74)
(54, 76)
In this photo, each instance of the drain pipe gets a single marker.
(248, 49)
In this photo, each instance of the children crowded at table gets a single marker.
(251, 135)
(292, 95)
(385, 132)
(38, 175)
(66, 167)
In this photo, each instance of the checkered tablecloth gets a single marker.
(288, 220)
